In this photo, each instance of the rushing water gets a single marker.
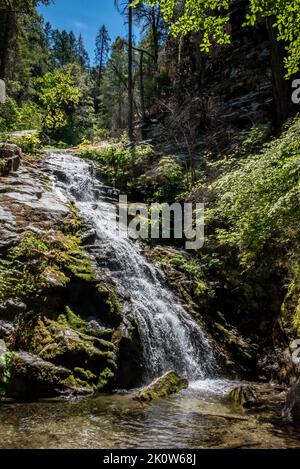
(170, 337)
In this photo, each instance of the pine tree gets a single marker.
(101, 54)
(83, 56)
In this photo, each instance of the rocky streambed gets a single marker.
(199, 417)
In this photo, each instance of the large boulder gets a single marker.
(291, 411)
(169, 383)
(31, 377)
(10, 158)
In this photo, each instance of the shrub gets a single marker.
(29, 143)
(258, 203)
(171, 179)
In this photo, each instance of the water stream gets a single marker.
(171, 338)
(201, 416)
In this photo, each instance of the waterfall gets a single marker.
(171, 338)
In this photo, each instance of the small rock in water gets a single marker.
(244, 395)
(169, 383)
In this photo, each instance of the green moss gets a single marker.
(5, 363)
(112, 300)
(290, 310)
(170, 383)
(105, 377)
(78, 384)
(40, 261)
(85, 375)
(73, 321)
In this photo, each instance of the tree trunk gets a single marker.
(130, 88)
(155, 37)
(6, 36)
(281, 90)
(142, 89)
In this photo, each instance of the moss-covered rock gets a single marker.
(30, 377)
(244, 396)
(168, 384)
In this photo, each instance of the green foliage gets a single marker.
(210, 18)
(118, 162)
(57, 94)
(29, 117)
(29, 143)
(258, 203)
(171, 179)
(39, 261)
(8, 115)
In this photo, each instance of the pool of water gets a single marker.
(200, 417)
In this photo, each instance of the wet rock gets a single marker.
(10, 158)
(168, 384)
(291, 411)
(10, 308)
(4, 367)
(31, 377)
(7, 332)
(3, 348)
(244, 396)
(96, 330)
(27, 203)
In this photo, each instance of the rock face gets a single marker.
(10, 158)
(62, 329)
(30, 377)
(291, 411)
(244, 396)
(27, 202)
(169, 383)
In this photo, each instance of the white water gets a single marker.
(170, 337)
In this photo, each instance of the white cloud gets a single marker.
(79, 25)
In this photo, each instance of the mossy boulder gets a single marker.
(244, 396)
(168, 384)
(30, 377)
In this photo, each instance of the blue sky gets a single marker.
(85, 17)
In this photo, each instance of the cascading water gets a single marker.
(170, 337)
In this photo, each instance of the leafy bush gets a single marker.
(29, 117)
(171, 179)
(29, 143)
(119, 163)
(8, 115)
(258, 204)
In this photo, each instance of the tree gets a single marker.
(101, 54)
(130, 87)
(128, 10)
(150, 18)
(210, 18)
(65, 48)
(114, 86)
(57, 94)
(83, 56)
(12, 15)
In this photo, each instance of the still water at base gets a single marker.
(200, 417)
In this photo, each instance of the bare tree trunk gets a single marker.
(130, 87)
(281, 91)
(6, 36)
(142, 88)
(154, 26)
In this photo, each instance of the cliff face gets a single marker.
(208, 99)
(61, 324)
